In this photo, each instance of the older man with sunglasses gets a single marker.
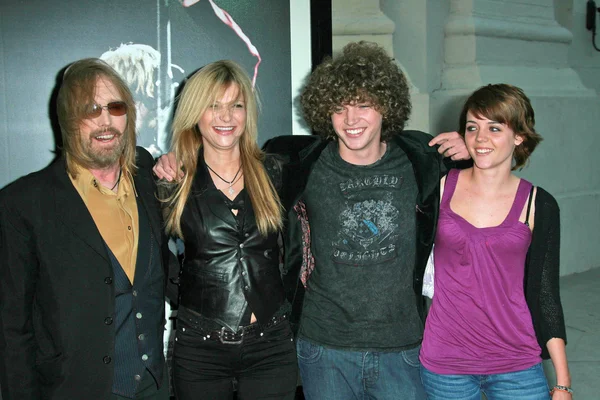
(82, 257)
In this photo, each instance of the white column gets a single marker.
(518, 41)
(354, 20)
(301, 60)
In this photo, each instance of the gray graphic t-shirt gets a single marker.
(362, 221)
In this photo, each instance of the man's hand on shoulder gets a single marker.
(451, 145)
(166, 167)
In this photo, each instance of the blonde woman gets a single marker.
(232, 318)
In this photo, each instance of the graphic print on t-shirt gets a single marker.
(368, 221)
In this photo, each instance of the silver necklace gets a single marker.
(230, 183)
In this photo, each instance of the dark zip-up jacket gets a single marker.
(300, 154)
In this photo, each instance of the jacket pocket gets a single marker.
(50, 370)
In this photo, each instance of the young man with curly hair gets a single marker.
(370, 192)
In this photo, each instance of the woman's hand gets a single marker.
(166, 167)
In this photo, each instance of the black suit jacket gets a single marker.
(56, 289)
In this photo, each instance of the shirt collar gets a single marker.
(84, 181)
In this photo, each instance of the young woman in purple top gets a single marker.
(496, 311)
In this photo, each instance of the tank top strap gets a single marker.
(522, 193)
(449, 187)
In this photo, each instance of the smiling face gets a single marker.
(490, 143)
(102, 138)
(358, 127)
(222, 124)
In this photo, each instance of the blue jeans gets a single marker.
(529, 384)
(331, 374)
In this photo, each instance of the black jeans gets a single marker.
(264, 364)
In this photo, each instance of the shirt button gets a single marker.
(138, 315)
(137, 378)
(242, 258)
(246, 234)
(106, 360)
(108, 320)
(108, 280)
(134, 293)
(141, 336)
(246, 287)
(145, 357)
(241, 245)
(129, 228)
(243, 273)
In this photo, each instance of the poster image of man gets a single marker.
(150, 74)
(139, 65)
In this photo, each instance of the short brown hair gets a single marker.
(364, 72)
(508, 105)
(76, 93)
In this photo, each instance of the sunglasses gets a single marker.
(114, 108)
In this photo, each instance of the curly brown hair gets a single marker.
(363, 73)
(508, 105)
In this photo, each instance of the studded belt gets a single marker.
(227, 336)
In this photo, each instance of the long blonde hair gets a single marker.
(199, 93)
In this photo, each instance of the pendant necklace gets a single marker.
(230, 183)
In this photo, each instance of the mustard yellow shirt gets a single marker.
(115, 215)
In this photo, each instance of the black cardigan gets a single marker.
(542, 271)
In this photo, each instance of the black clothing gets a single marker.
(542, 272)
(139, 315)
(264, 363)
(57, 292)
(227, 263)
(229, 272)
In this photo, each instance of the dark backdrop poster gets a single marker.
(154, 44)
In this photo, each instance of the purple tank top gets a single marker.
(479, 322)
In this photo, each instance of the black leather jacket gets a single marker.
(227, 264)
(300, 154)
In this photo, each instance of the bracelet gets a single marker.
(561, 388)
